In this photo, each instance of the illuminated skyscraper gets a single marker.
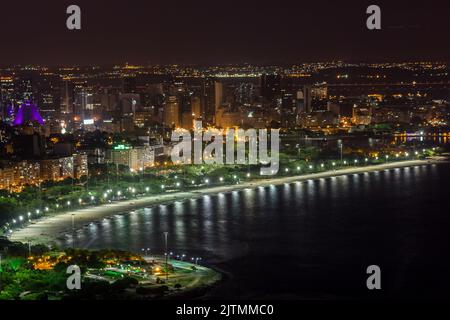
(172, 112)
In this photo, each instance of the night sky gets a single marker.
(219, 31)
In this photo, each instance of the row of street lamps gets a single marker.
(206, 181)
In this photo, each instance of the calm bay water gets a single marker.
(312, 239)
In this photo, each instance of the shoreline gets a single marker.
(48, 230)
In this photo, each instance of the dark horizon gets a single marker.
(232, 32)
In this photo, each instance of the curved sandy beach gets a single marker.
(49, 229)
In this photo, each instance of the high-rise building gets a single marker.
(304, 100)
(67, 97)
(208, 101)
(6, 97)
(218, 96)
(270, 86)
(196, 107)
(172, 112)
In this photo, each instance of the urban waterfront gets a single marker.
(187, 155)
(310, 239)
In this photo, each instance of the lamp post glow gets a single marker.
(73, 230)
(167, 256)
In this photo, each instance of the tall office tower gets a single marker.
(196, 107)
(208, 100)
(245, 93)
(81, 101)
(6, 96)
(67, 97)
(25, 88)
(218, 96)
(307, 97)
(172, 112)
(48, 96)
(304, 99)
(270, 86)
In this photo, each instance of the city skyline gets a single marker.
(238, 150)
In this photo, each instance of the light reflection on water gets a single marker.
(319, 228)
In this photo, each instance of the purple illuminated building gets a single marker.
(27, 112)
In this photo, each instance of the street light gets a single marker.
(73, 230)
(167, 269)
